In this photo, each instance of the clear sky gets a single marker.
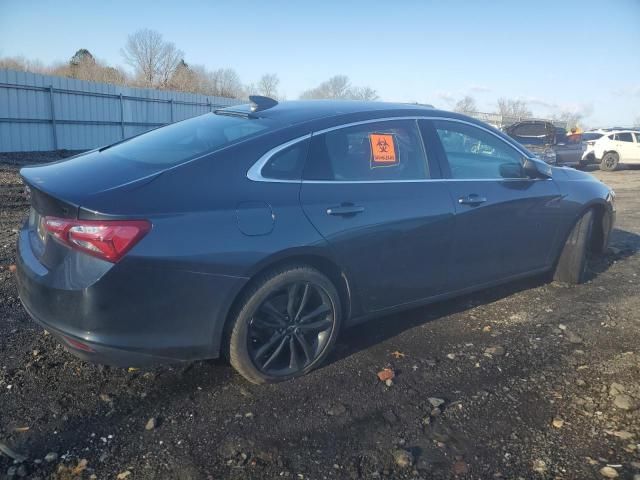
(577, 55)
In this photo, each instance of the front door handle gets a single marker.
(345, 210)
(472, 199)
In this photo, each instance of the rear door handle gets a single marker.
(472, 199)
(345, 210)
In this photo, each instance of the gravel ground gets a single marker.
(531, 380)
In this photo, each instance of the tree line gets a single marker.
(158, 63)
(517, 109)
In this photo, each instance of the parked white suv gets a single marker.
(613, 148)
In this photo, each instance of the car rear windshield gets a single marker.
(591, 136)
(530, 133)
(181, 141)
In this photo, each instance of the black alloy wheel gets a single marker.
(290, 329)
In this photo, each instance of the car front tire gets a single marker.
(572, 264)
(286, 325)
(609, 162)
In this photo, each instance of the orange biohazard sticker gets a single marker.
(383, 150)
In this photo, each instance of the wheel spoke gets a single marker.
(275, 338)
(275, 354)
(320, 310)
(303, 302)
(293, 359)
(305, 346)
(292, 299)
(320, 325)
(268, 308)
(265, 324)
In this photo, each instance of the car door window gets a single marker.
(379, 151)
(637, 137)
(474, 153)
(624, 137)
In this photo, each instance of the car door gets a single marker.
(367, 190)
(636, 155)
(625, 146)
(568, 148)
(505, 222)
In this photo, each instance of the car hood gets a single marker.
(567, 173)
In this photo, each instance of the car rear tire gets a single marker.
(572, 264)
(609, 162)
(286, 325)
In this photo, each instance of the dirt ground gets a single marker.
(531, 380)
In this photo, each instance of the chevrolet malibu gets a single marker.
(258, 232)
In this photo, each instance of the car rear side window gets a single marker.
(287, 164)
(535, 133)
(379, 151)
(624, 137)
(181, 141)
(474, 153)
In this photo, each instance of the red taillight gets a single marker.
(108, 239)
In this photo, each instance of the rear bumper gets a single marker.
(102, 354)
(137, 313)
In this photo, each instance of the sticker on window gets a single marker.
(383, 150)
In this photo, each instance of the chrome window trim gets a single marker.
(255, 172)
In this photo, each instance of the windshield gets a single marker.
(184, 140)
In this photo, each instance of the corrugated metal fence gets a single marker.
(42, 112)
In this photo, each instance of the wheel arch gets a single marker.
(602, 223)
(600, 229)
(311, 257)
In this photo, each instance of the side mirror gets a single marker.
(533, 168)
(511, 170)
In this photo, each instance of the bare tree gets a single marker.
(364, 93)
(184, 79)
(21, 64)
(466, 104)
(571, 118)
(268, 85)
(153, 59)
(84, 66)
(225, 82)
(339, 87)
(513, 108)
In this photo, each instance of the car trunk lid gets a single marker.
(63, 189)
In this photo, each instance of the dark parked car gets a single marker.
(260, 231)
(548, 142)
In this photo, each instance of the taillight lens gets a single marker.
(108, 239)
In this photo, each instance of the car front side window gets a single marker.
(378, 151)
(474, 153)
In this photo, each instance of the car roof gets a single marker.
(299, 111)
